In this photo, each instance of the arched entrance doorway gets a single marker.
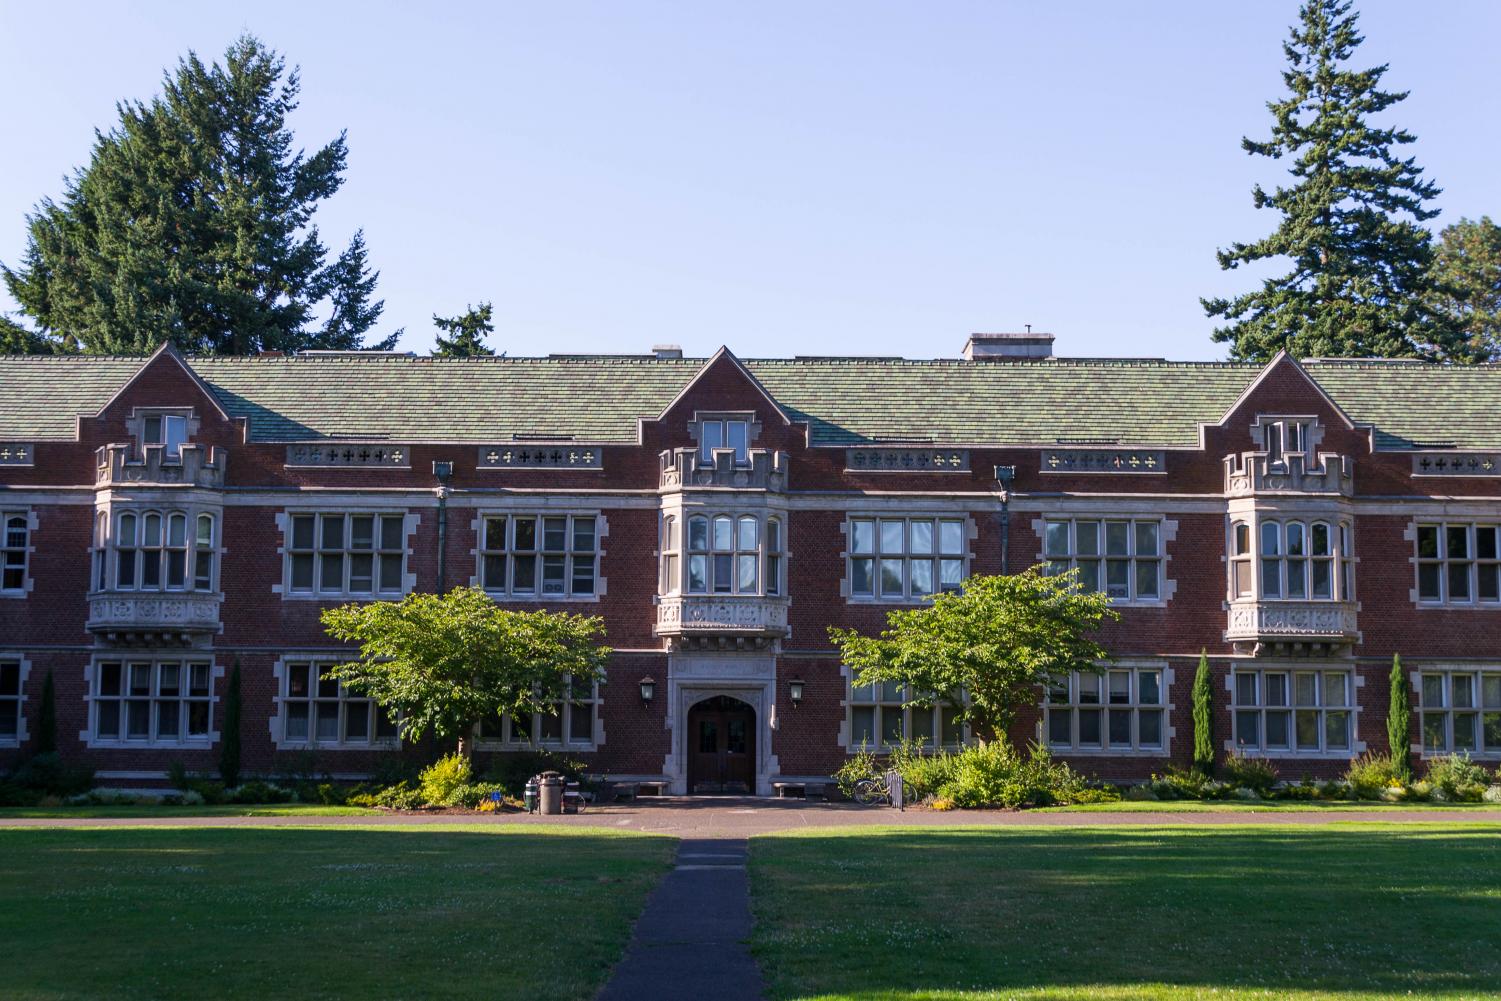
(721, 746)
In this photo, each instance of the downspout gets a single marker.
(444, 472)
(1004, 477)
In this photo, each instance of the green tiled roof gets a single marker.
(846, 400)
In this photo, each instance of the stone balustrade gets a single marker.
(721, 615)
(1294, 622)
(1251, 474)
(151, 617)
(194, 466)
(684, 469)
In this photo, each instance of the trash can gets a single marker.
(529, 795)
(551, 785)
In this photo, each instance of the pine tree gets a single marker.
(1203, 716)
(1350, 221)
(46, 721)
(1466, 278)
(17, 340)
(466, 333)
(229, 747)
(1399, 721)
(193, 222)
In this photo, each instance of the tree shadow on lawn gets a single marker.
(254, 912)
(1346, 908)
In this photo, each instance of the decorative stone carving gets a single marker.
(907, 460)
(341, 455)
(1261, 621)
(1249, 474)
(15, 453)
(195, 465)
(683, 469)
(1456, 464)
(123, 614)
(540, 456)
(1095, 460)
(721, 614)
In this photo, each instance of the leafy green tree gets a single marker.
(445, 663)
(1349, 223)
(229, 746)
(466, 333)
(996, 640)
(1203, 715)
(46, 722)
(1466, 284)
(193, 222)
(1399, 721)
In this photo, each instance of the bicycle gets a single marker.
(869, 792)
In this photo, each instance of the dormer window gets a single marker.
(722, 434)
(1284, 436)
(168, 427)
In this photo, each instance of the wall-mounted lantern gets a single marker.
(648, 690)
(795, 689)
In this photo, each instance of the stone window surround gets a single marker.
(1313, 432)
(1410, 535)
(596, 735)
(135, 426)
(126, 656)
(1291, 667)
(971, 534)
(1167, 532)
(1415, 699)
(601, 532)
(21, 732)
(847, 704)
(277, 721)
(27, 581)
(753, 426)
(1341, 524)
(283, 587)
(1168, 675)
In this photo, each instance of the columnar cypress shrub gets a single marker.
(1203, 719)
(1399, 720)
(229, 748)
(46, 723)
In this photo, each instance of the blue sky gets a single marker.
(786, 178)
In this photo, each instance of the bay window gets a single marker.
(1295, 560)
(722, 553)
(155, 551)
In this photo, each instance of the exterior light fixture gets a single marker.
(795, 689)
(648, 689)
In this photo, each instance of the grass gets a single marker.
(388, 912)
(1358, 912)
(156, 810)
(1270, 806)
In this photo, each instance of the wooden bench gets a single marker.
(806, 790)
(631, 790)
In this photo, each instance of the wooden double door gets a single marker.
(722, 746)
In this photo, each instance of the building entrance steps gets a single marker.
(691, 941)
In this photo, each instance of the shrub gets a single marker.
(860, 766)
(229, 749)
(46, 729)
(995, 775)
(1399, 722)
(49, 775)
(1455, 777)
(471, 795)
(510, 771)
(14, 794)
(401, 796)
(1098, 794)
(177, 775)
(1492, 794)
(1182, 783)
(213, 793)
(1255, 774)
(1203, 717)
(438, 780)
(1370, 775)
(257, 791)
(922, 774)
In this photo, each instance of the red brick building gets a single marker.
(167, 518)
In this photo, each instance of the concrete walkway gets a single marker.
(691, 940)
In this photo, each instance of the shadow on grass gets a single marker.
(1368, 910)
(327, 912)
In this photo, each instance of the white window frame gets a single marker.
(129, 664)
(723, 432)
(1073, 554)
(15, 554)
(531, 734)
(868, 559)
(1292, 705)
(1274, 555)
(1066, 702)
(507, 557)
(13, 703)
(111, 549)
(1477, 572)
(1448, 708)
(891, 699)
(346, 703)
(295, 549)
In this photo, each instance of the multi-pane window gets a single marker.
(724, 554)
(1283, 437)
(168, 430)
(1459, 563)
(1121, 558)
(1120, 710)
(879, 716)
(773, 556)
(10, 701)
(152, 701)
(569, 723)
(1301, 560)
(155, 551)
(1293, 711)
(346, 553)
(1242, 574)
(539, 556)
(1461, 712)
(318, 710)
(13, 545)
(905, 559)
(721, 434)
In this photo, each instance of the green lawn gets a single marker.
(1272, 806)
(1356, 912)
(352, 912)
(156, 810)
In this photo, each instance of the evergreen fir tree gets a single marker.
(229, 747)
(1466, 280)
(1350, 221)
(466, 333)
(17, 340)
(1399, 721)
(46, 719)
(1203, 716)
(193, 222)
